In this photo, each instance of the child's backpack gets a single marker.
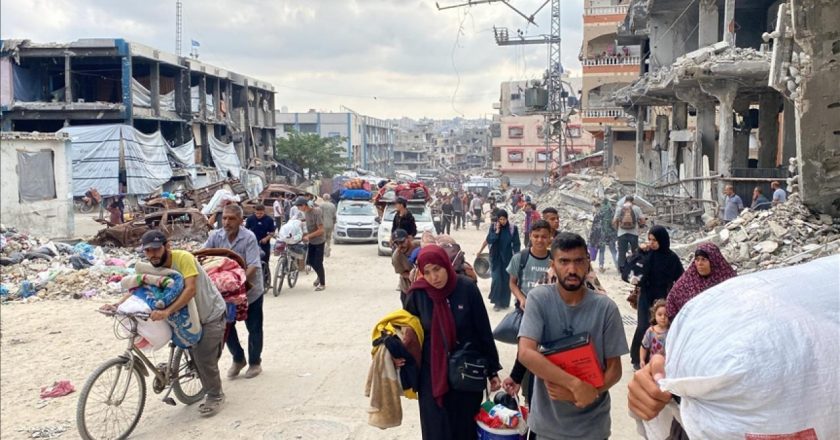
(627, 219)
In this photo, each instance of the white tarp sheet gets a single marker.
(184, 157)
(146, 163)
(224, 156)
(95, 152)
(140, 95)
(195, 101)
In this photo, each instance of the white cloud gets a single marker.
(386, 58)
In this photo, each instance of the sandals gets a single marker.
(211, 406)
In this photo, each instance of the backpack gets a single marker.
(523, 261)
(627, 219)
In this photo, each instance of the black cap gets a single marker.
(399, 235)
(300, 201)
(153, 239)
(402, 201)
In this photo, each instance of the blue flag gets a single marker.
(195, 43)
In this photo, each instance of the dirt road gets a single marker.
(315, 361)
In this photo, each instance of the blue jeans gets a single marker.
(254, 324)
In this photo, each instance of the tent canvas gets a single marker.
(224, 156)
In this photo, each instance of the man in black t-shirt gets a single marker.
(263, 227)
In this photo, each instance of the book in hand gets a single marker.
(576, 355)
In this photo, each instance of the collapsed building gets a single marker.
(51, 86)
(735, 91)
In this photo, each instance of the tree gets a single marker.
(321, 156)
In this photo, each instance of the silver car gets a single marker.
(355, 222)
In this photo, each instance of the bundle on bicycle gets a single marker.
(290, 251)
(181, 309)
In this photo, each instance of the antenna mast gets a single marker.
(178, 27)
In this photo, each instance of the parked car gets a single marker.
(422, 216)
(177, 224)
(355, 222)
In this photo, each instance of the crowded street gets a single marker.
(315, 359)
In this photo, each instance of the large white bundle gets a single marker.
(760, 354)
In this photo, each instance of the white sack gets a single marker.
(760, 354)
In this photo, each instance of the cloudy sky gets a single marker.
(384, 58)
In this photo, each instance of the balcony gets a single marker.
(606, 10)
(612, 61)
(603, 113)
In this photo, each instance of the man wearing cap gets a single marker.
(400, 260)
(315, 236)
(329, 212)
(211, 312)
(237, 238)
(404, 219)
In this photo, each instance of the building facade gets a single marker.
(368, 142)
(113, 81)
(607, 67)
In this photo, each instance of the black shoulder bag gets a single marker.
(467, 368)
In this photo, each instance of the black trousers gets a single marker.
(455, 420)
(459, 215)
(625, 242)
(315, 258)
(447, 223)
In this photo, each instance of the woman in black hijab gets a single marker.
(661, 269)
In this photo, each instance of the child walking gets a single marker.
(654, 339)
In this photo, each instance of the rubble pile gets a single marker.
(34, 269)
(784, 235)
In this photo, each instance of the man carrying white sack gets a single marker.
(753, 357)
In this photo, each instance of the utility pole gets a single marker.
(554, 114)
(178, 27)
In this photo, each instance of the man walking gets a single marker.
(237, 238)
(627, 221)
(476, 206)
(403, 218)
(458, 210)
(328, 210)
(732, 204)
(448, 211)
(277, 211)
(315, 237)
(779, 195)
(563, 406)
(263, 228)
(400, 260)
(211, 312)
(553, 218)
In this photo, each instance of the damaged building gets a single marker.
(52, 86)
(734, 92)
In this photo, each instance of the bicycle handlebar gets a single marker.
(139, 315)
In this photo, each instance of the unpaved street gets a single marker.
(315, 361)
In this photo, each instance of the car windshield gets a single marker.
(420, 213)
(365, 209)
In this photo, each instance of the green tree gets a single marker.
(323, 157)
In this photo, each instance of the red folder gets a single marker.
(576, 355)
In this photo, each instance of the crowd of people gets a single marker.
(551, 276)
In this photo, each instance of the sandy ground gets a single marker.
(315, 360)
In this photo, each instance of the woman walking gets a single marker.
(503, 238)
(661, 269)
(708, 269)
(452, 313)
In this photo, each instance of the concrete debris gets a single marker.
(35, 269)
(784, 235)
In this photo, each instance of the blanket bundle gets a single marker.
(230, 279)
(159, 288)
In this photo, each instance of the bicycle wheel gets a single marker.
(266, 278)
(187, 385)
(293, 275)
(111, 401)
(279, 275)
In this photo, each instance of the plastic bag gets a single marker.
(291, 232)
(758, 355)
(157, 333)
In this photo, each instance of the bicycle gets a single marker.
(119, 384)
(288, 261)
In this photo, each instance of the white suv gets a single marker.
(422, 217)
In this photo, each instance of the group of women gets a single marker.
(452, 312)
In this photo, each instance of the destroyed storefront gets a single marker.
(705, 93)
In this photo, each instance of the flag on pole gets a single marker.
(195, 43)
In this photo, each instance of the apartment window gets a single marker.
(625, 135)
(516, 131)
(334, 134)
(515, 96)
(36, 175)
(543, 156)
(540, 131)
(515, 156)
(574, 132)
(497, 154)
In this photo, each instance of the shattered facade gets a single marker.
(717, 115)
(46, 87)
